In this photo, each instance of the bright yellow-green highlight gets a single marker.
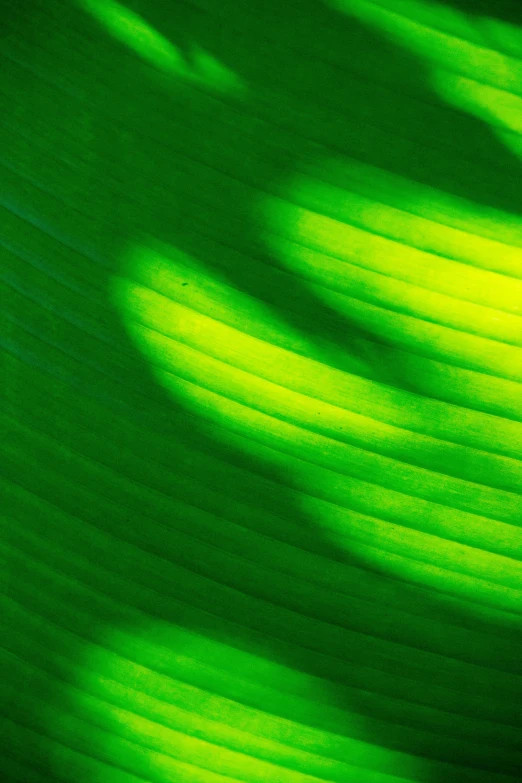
(332, 509)
(375, 256)
(181, 722)
(291, 408)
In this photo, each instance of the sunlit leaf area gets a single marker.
(261, 367)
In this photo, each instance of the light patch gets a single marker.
(212, 72)
(498, 108)
(388, 241)
(198, 67)
(467, 74)
(158, 701)
(447, 50)
(300, 417)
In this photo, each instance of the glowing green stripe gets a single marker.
(100, 658)
(207, 562)
(353, 530)
(282, 455)
(271, 617)
(239, 514)
(176, 740)
(480, 63)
